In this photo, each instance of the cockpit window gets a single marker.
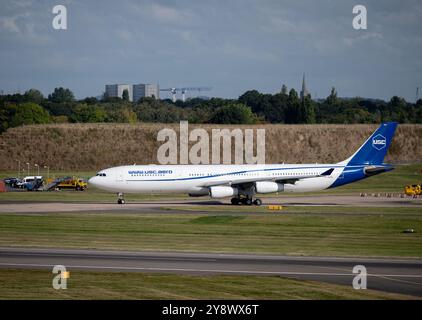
(101, 174)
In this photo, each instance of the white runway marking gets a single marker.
(212, 270)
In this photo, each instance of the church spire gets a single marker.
(304, 91)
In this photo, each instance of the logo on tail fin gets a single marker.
(379, 142)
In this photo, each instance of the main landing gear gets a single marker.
(120, 199)
(246, 201)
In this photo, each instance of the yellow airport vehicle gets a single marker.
(77, 184)
(413, 190)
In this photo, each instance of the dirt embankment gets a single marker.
(95, 146)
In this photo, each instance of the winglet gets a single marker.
(328, 172)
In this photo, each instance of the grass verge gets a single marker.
(36, 284)
(324, 231)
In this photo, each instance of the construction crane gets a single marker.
(184, 90)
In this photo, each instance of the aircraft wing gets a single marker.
(250, 180)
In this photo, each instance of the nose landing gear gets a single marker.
(120, 199)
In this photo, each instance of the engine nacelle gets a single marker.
(223, 192)
(268, 187)
(199, 192)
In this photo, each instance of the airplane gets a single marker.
(242, 182)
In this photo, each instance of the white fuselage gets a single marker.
(221, 181)
(194, 178)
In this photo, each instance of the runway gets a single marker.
(391, 275)
(160, 206)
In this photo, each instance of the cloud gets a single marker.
(238, 44)
(163, 13)
(22, 3)
(8, 24)
(362, 37)
(22, 28)
(124, 35)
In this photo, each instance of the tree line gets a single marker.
(251, 107)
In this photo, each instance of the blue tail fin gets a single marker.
(375, 148)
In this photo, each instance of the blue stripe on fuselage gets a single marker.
(238, 172)
(349, 174)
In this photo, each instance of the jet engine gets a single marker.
(223, 192)
(198, 192)
(268, 187)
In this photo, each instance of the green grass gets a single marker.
(412, 208)
(393, 181)
(216, 219)
(326, 231)
(36, 284)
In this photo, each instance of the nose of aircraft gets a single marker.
(93, 181)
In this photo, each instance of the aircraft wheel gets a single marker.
(248, 202)
(235, 201)
(120, 199)
(257, 202)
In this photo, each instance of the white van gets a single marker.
(27, 179)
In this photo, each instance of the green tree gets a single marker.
(91, 113)
(34, 95)
(332, 98)
(253, 99)
(235, 113)
(274, 107)
(354, 115)
(60, 95)
(90, 100)
(294, 107)
(397, 102)
(28, 113)
(122, 115)
(309, 109)
(418, 115)
(399, 109)
(7, 109)
(125, 95)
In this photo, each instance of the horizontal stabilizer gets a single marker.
(328, 172)
(373, 170)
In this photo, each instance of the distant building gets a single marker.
(116, 90)
(135, 91)
(145, 90)
(304, 92)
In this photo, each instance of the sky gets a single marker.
(232, 46)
